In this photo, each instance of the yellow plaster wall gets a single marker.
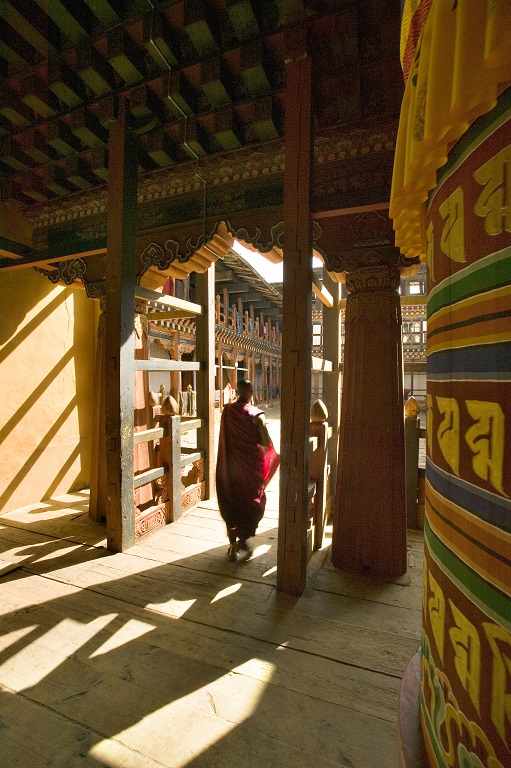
(47, 340)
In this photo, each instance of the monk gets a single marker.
(245, 464)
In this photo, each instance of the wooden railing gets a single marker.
(243, 323)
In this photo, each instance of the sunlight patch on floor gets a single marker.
(220, 706)
(173, 608)
(133, 629)
(33, 663)
(227, 591)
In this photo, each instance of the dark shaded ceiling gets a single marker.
(204, 86)
(200, 78)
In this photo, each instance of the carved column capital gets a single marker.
(373, 294)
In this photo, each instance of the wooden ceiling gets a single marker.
(200, 78)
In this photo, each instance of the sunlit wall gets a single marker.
(47, 338)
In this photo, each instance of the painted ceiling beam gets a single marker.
(78, 173)
(73, 18)
(88, 128)
(176, 89)
(65, 83)
(267, 123)
(108, 12)
(12, 155)
(227, 130)
(197, 25)
(160, 41)
(34, 145)
(55, 179)
(61, 138)
(36, 95)
(15, 49)
(125, 57)
(32, 186)
(253, 62)
(98, 161)
(12, 108)
(43, 34)
(95, 71)
(160, 147)
(243, 19)
(146, 108)
(216, 82)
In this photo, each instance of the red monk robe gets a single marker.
(245, 464)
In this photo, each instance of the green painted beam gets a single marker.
(177, 90)
(12, 155)
(36, 95)
(95, 71)
(12, 108)
(45, 36)
(73, 19)
(108, 12)
(215, 80)
(65, 83)
(160, 41)
(125, 57)
(242, 18)
(32, 186)
(33, 144)
(226, 129)
(159, 147)
(87, 128)
(55, 179)
(97, 159)
(78, 173)
(18, 54)
(198, 27)
(61, 138)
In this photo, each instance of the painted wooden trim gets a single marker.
(146, 435)
(167, 365)
(149, 476)
(168, 301)
(318, 364)
(323, 295)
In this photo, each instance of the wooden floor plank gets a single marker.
(124, 686)
(169, 655)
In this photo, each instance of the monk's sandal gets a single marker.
(232, 553)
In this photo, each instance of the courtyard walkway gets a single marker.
(169, 655)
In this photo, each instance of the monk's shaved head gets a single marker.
(244, 388)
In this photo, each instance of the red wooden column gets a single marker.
(297, 329)
(369, 531)
(119, 339)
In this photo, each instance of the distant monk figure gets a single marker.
(245, 465)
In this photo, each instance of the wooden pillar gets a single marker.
(296, 331)
(369, 532)
(220, 370)
(205, 352)
(98, 500)
(119, 339)
(331, 381)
